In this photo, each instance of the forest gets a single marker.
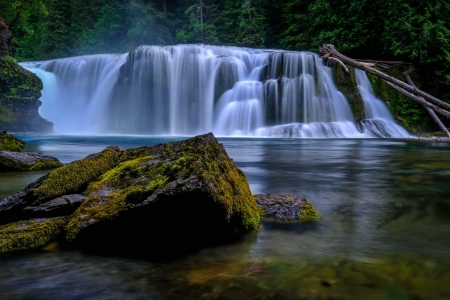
(406, 30)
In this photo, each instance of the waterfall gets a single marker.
(379, 120)
(192, 89)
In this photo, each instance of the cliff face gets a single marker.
(20, 91)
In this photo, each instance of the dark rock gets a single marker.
(30, 234)
(70, 179)
(27, 161)
(61, 206)
(9, 142)
(20, 91)
(285, 207)
(176, 197)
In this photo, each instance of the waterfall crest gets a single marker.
(192, 89)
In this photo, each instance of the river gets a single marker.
(384, 231)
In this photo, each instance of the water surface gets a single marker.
(384, 232)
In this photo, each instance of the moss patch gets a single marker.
(346, 83)
(24, 235)
(412, 115)
(9, 142)
(74, 178)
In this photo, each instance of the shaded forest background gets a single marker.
(416, 31)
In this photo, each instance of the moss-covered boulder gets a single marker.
(20, 91)
(70, 179)
(175, 198)
(9, 142)
(30, 234)
(27, 161)
(285, 207)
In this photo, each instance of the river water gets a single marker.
(384, 231)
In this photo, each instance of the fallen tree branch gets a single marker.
(429, 110)
(329, 50)
(339, 62)
(387, 62)
(420, 100)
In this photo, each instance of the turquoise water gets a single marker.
(384, 232)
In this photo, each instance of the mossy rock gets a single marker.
(27, 161)
(285, 207)
(177, 197)
(346, 83)
(20, 91)
(30, 234)
(70, 179)
(9, 142)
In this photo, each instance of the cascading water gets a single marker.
(379, 121)
(191, 89)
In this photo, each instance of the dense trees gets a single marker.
(412, 30)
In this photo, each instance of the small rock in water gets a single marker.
(285, 207)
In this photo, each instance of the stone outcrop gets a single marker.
(20, 91)
(155, 201)
(27, 161)
(168, 199)
(70, 179)
(285, 207)
(9, 142)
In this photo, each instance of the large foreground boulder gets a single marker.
(27, 161)
(176, 198)
(151, 201)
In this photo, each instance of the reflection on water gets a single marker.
(385, 231)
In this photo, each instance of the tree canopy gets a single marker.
(412, 30)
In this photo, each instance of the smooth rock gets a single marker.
(61, 206)
(27, 161)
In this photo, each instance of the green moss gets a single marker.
(308, 213)
(9, 142)
(74, 178)
(133, 182)
(346, 83)
(409, 113)
(30, 234)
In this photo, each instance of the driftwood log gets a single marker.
(432, 104)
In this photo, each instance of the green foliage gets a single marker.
(9, 142)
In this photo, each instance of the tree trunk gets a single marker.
(429, 110)
(328, 50)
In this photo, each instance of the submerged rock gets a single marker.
(285, 207)
(30, 234)
(9, 142)
(27, 161)
(70, 179)
(177, 197)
